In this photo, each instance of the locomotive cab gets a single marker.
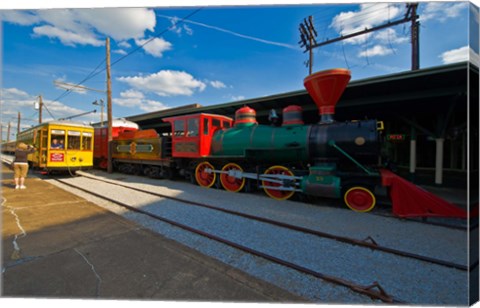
(192, 134)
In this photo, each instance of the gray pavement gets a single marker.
(58, 245)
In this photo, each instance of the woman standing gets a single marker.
(20, 164)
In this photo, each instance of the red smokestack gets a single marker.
(325, 88)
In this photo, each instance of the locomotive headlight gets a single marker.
(359, 141)
(73, 159)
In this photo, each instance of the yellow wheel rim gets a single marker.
(204, 178)
(277, 194)
(359, 199)
(231, 183)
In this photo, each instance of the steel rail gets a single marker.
(365, 290)
(364, 243)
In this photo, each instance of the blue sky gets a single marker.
(218, 55)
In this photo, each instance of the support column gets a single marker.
(439, 161)
(464, 152)
(413, 154)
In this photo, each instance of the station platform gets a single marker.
(58, 245)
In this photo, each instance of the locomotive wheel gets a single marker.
(231, 183)
(204, 178)
(277, 194)
(359, 199)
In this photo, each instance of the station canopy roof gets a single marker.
(413, 91)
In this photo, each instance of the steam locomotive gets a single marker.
(329, 159)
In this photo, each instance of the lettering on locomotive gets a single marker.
(186, 147)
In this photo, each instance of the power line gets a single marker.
(150, 40)
(95, 71)
(365, 13)
(410, 16)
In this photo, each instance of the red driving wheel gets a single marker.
(204, 174)
(229, 182)
(272, 192)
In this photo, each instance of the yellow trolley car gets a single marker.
(61, 145)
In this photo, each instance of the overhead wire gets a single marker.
(360, 17)
(150, 40)
(328, 17)
(95, 71)
(69, 90)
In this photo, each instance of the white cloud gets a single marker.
(15, 100)
(130, 98)
(166, 83)
(24, 18)
(62, 84)
(460, 55)
(67, 37)
(119, 51)
(119, 23)
(150, 106)
(369, 15)
(376, 50)
(188, 30)
(237, 98)
(441, 11)
(12, 93)
(389, 36)
(155, 46)
(136, 99)
(124, 44)
(179, 29)
(217, 84)
(86, 26)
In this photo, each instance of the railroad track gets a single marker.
(8, 159)
(372, 290)
(368, 242)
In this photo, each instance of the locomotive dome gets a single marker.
(292, 115)
(245, 116)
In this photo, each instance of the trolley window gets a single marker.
(73, 140)
(226, 124)
(86, 141)
(57, 139)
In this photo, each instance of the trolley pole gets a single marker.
(109, 107)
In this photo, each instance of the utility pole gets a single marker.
(415, 33)
(109, 107)
(40, 106)
(18, 125)
(307, 39)
(8, 131)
